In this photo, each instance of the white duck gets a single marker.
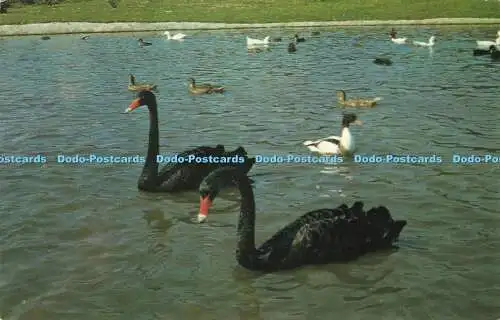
(177, 36)
(343, 145)
(486, 45)
(257, 42)
(396, 40)
(431, 42)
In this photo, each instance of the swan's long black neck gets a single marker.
(246, 254)
(150, 170)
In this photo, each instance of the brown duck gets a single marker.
(132, 86)
(367, 103)
(203, 88)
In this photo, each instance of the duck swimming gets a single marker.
(297, 39)
(331, 145)
(383, 61)
(317, 237)
(133, 86)
(142, 43)
(370, 103)
(396, 40)
(45, 37)
(186, 175)
(430, 43)
(203, 88)
(292, 47)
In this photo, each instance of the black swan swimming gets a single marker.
(317, 237)
(181, 176)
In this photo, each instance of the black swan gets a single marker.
(317, 237)
(176, 177)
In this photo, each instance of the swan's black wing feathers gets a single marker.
(188, 175)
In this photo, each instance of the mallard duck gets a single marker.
(292, 47)
(142, 43)
(297, 39)
(331, 145)
(45, 37)
(383, 61)
(132, 86)
(341, 98)
(203, 88)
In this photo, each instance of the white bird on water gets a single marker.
(431, 42)
(177, 36)
(331, 145)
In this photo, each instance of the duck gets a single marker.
(317, 237)
(383, 61)
(297, 39)
(177, 36)
(132, 86)
(486, 45)
(495, 53)
(334, 145)
(178, 176)
(84, 37)
(257, 42)
(431, 42)
(370, 103)
(142, 43)
(396, 40)
(45, 38)
(203, 88)
(292, 47)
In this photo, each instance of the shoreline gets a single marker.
(114, 27)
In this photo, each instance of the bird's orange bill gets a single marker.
(133, 105)
(205, 204)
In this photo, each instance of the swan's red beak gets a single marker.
(205, 204)
(133, 105)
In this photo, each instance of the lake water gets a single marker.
(81, 242)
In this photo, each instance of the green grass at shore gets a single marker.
(255, 11)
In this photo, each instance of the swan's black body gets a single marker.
(176, 177)
(317, 237)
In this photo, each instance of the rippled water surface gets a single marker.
(81, 242)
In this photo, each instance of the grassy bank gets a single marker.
(255, 11)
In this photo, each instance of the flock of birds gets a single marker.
(317, 237)
(484, 47)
